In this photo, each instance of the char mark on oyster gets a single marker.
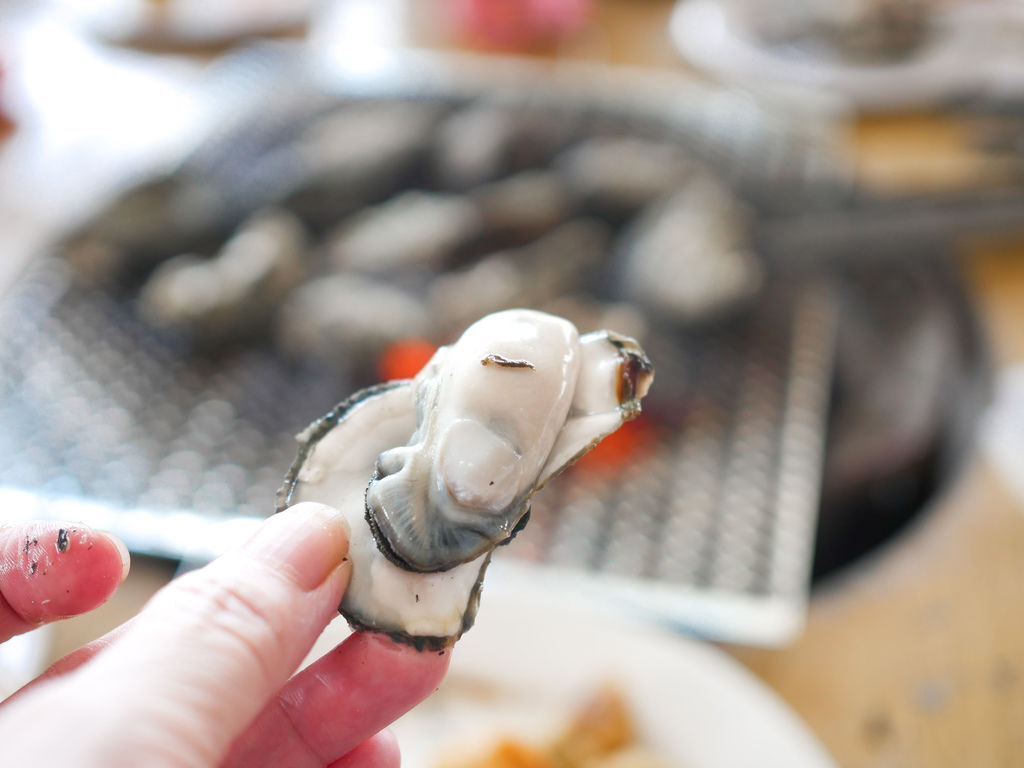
(435, 472)
(505, 362)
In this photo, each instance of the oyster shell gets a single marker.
(526, 276)
(523, 207)
(230, 295)
(346, 317)
(617, 176)
(414, 229)
(434, 472)
(350, 158)
(689, 257)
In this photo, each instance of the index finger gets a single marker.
(52, 570)
(338, 702)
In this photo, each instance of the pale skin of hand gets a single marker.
(203, 676)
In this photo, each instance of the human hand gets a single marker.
(201, 676)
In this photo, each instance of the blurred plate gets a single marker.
(973, 51)
(185, 23)
(535, 654)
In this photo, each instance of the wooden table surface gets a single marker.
(914, 657)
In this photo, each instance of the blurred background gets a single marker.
(219, 220)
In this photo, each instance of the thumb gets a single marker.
(211, 648)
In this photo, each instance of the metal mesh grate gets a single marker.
(727, 499)
(95, 405)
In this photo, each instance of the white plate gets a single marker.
(531, 657)
(977, 51)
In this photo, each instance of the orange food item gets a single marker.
(600, 734)
(513, 754)
(601, 726)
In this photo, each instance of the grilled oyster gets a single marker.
(231, 295)
(435, 472)
(688, 258)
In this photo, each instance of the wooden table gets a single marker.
(914, 657)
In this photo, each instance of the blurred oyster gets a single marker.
(520, 277)
(415, 229)
(350, 158)
(524, 206)
(617, 176)
(858, 30)
(233, 293)
(688, 257)
(435, 472)
(347, 317)
(472, 146)
(146, 225)
(485, 140)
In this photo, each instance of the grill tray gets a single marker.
(711, 527)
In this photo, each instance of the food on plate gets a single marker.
(601, 733)
(859, 30)
(433, 473)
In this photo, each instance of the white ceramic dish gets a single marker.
(532, 657)
(976, 52)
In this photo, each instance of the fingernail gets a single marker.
(307, 542)
(122, 550)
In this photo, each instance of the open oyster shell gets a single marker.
(434, 472)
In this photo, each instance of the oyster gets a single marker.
(523, 207)
(526, 276)
(689, 257)
(350, 158)
(414, 229)
(145, 226)
(617, 176)
(472, 146)
(347, 318)
(434, 472)
(230, 295)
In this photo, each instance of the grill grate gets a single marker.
(720, 504)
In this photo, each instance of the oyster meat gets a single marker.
(433, 473)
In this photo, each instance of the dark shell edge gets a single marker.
(315, 432)
(307, 440)
(430, 642)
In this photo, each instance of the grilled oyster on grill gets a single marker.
(434, 472)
